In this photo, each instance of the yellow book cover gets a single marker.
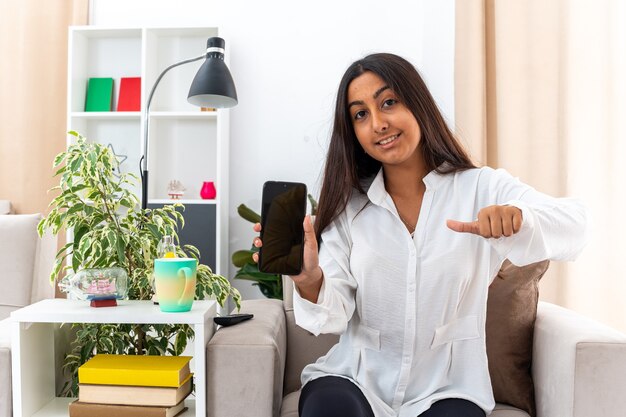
(140, 370)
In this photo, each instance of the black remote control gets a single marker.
(232, 319)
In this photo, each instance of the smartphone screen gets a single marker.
(283, 208)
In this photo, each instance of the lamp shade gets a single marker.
(213, 85)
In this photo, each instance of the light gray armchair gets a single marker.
(25, 265)
(253, 368)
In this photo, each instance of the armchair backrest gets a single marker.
(26, 261)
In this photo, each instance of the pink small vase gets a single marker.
(208, 191)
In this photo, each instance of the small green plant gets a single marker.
(110, 229)
(270, 285)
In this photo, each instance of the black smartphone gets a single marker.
(283, 208)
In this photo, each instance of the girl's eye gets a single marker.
(359, 115)
(389, 102)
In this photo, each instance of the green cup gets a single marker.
(175, 282)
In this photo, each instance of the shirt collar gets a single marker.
(377, 193)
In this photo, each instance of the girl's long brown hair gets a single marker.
(347, 164)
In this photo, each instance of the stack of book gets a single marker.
(132, 386)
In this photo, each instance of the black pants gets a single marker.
(332, 396)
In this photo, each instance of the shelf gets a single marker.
(183, 114)
(98, 32)
(59, 310)
(107, 115)
(38, 325)
(58, 407)
(186, 144)
(126, 115)
(181, 201)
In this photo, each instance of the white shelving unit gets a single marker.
(185, 144)
(33, 367)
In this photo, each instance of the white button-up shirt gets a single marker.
(411, 310)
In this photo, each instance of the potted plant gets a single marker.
(271, 285)
(110, 229)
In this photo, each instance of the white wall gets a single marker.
(287, 58)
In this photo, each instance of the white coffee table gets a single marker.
(32, 348)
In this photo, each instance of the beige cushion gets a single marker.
(511, 314)
(290, 408)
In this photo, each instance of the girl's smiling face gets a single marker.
(385, 127)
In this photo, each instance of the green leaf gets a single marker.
(154, 230)
(75, 164)
(58, 263)
(195, 253)
(242, 257)
(107, 344)
(41, 227)
(75, 209)
(248, 214)
(76, 261)
(111, 238)
(121, 256)
(180, 343)
(313, 205)
(59, 171)
(58, 159)
(257, 277)
(64, 249)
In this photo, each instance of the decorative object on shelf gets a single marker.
(113, 231)
(208, 191)
(212, 86)
(99, 94)
(175, 189)
(208, 109)
(130, 94)
(96, 284)
(119, 158)
(175, 282)
(166, 248)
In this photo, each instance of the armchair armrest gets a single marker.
(246, 363)
(6, 404)
(578, 365)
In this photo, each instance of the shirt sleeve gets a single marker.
(552, 228)
(336, 301)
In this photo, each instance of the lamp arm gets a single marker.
(146, 124)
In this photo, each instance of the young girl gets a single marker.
(411, 235)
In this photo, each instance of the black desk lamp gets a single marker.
(212, 86)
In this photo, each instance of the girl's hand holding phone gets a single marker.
(309, 281)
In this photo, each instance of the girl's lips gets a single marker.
(389, 144)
